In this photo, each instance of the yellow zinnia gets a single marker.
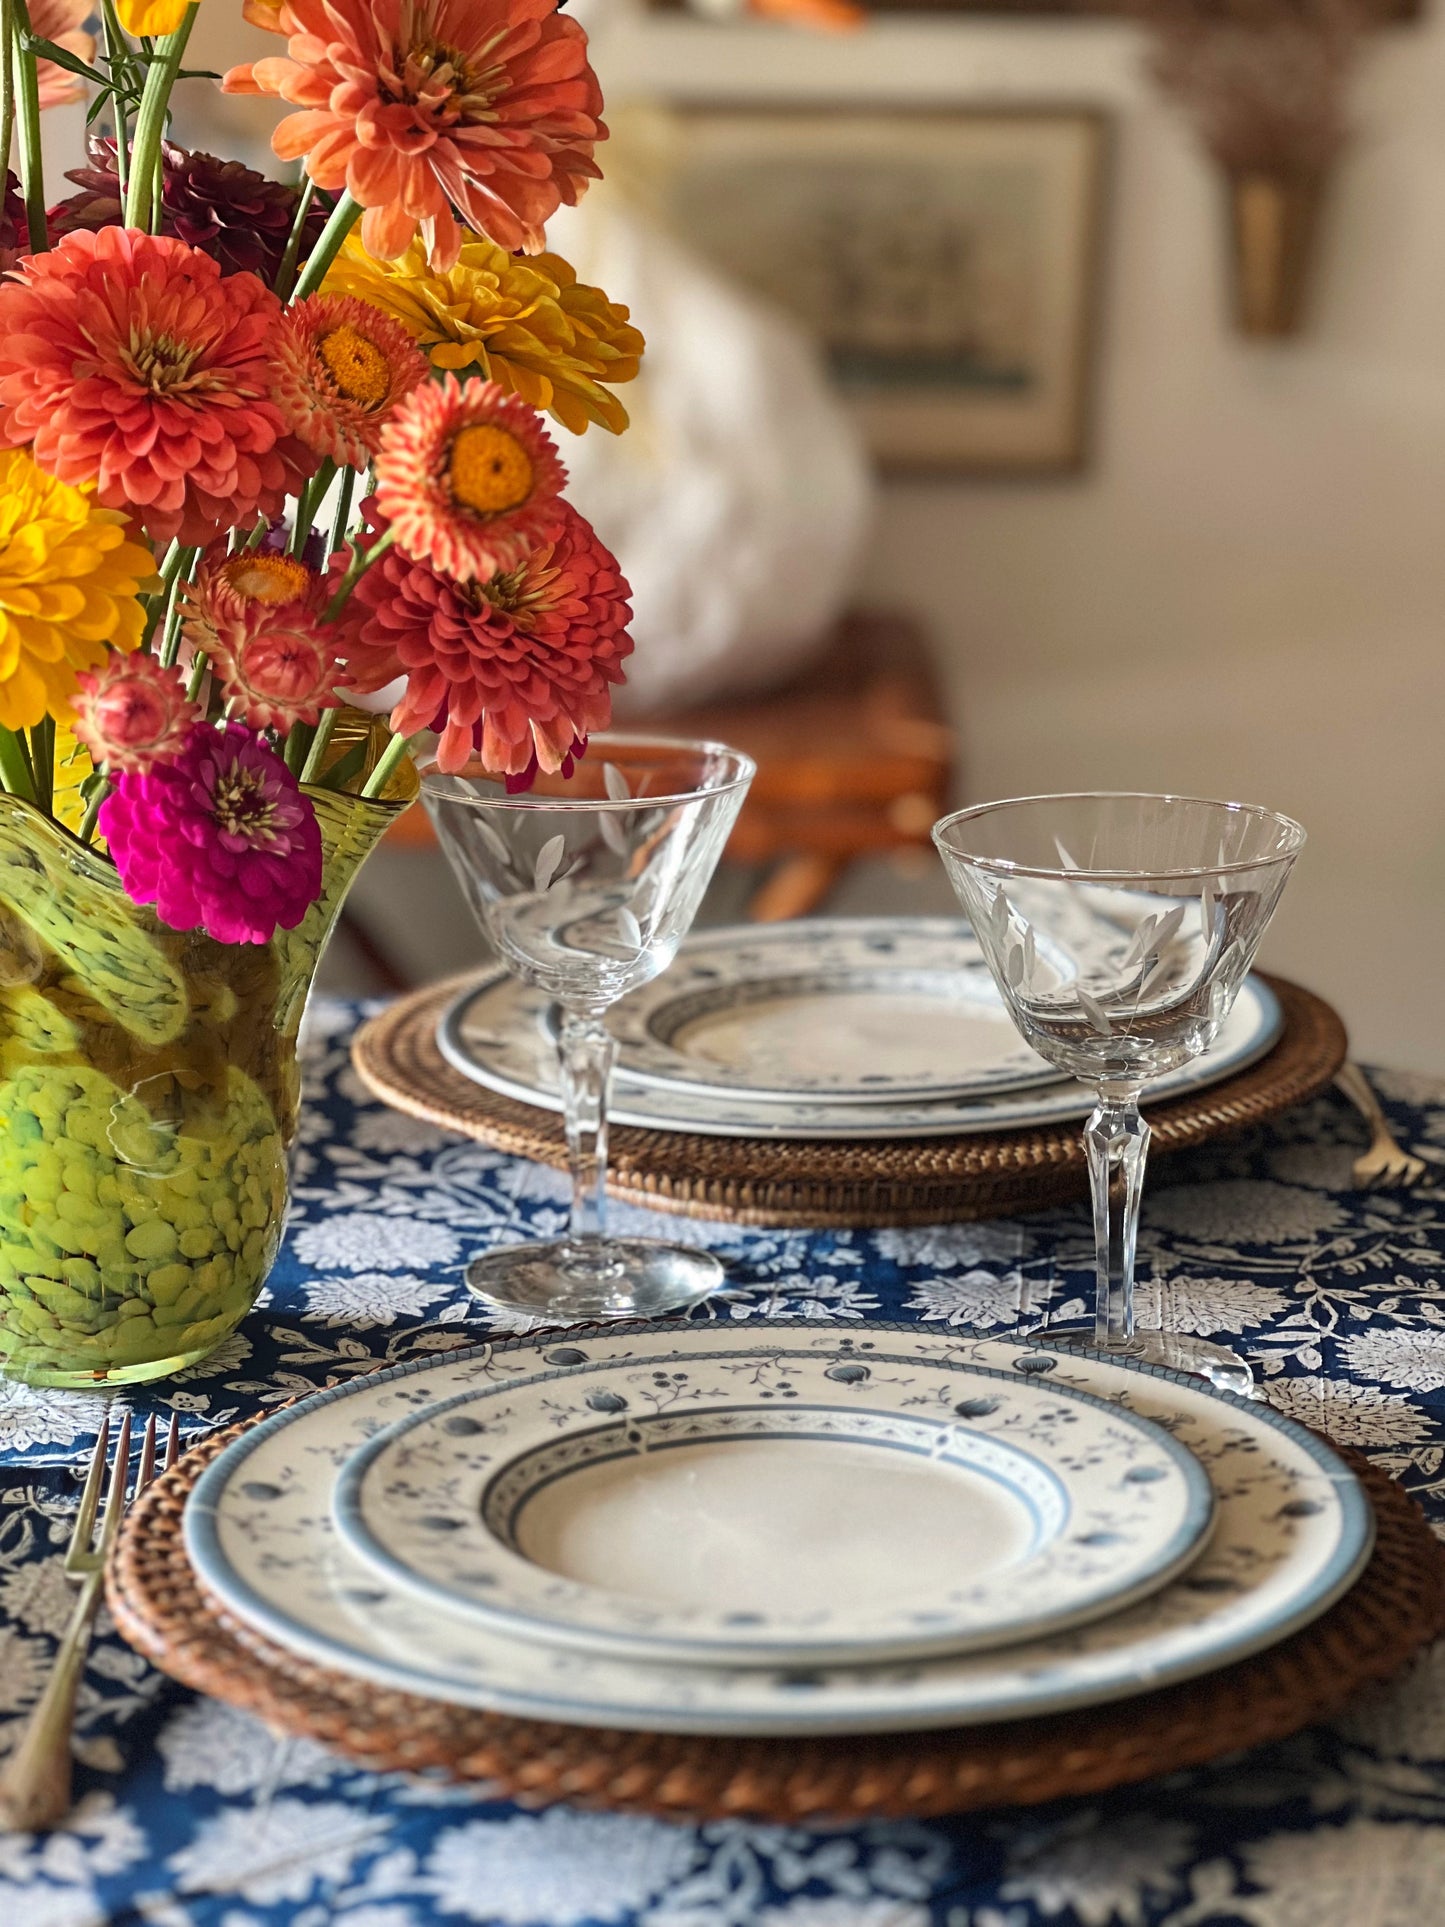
(529, 325)
(155, 18)
(69, 580)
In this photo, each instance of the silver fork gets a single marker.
(1386, 1165)
(35, 1781)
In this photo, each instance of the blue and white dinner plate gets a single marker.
(727, 1511)
(861, 1010)
(500, 1033)
(1293, 1530)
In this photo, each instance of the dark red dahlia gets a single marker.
(237, 216)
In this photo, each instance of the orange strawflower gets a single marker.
(258, 616)
(468, 478)
(342, 367)
(437, 115)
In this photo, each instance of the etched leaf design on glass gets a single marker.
(630, 927)
(1064, 858)
(1207, 903)
(492, 842)
(1158, 976)
(549, 860)
(616, 783)
(612, 832)
(1095, 1012)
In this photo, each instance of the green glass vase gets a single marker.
(148, 1099)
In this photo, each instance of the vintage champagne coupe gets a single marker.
(1119, 929)
(586, 885)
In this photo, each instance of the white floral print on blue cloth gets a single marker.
(193, 1815)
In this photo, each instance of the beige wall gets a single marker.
(1246, 594)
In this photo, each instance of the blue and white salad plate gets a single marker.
(501, 1033)
(723, 1510)
(1293, 1530)
(862, 1010)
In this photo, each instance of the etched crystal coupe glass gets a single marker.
(586, 884)
(1119, 929)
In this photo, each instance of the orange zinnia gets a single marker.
(133, 364)
(430, 110)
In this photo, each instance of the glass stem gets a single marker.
(1116, 1140)
(587, 1050)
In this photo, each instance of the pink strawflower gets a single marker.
(221, 840)
(132, 712)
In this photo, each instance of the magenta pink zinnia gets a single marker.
(220, 840)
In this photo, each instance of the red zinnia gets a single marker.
(131, 362)
(426, 110)
(519, 669)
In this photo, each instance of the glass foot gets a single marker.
(567, 1283)
(1175, 1350)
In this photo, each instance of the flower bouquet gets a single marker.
(267, 451)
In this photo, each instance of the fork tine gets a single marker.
(173, 1441)
(90, 1498)
(147, 1455)
(116, 1490)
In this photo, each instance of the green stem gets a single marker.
(150, 123)
(298, 743)
(27, 115)
(320, 743)
(343, 509)
(92, 810)
(198, 674)
(7, 81)
(344, 768)
(15, 766)
(42, 762)
(344, 217)
(361, 561)
(117, 53)
(309, 501)
(386, 766)
(286, 273)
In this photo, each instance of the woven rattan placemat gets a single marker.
(820, 1182)
(1396, 1606)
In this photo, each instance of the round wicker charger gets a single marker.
(1396, 1606)
(878, 1181)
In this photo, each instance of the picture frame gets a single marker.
(948, 261)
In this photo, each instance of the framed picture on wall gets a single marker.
(947, 261)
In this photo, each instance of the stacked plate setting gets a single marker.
(798, 1528)
(844, 1029)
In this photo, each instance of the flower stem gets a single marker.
(309, 501)
(150, 126)
(92, 809)
(27, 115)
(286, 273)
(386, 766)
(297, 746)
(361, 561)
(198, 675)
(344, 768)
(118, 60)
(42, 763)
(344, 217)
(343, 509)
(320, 743)
(15, 766)
(7, 80)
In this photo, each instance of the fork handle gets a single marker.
(1351, 1080)
(35, 1782)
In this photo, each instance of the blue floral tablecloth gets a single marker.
(193, 1815)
